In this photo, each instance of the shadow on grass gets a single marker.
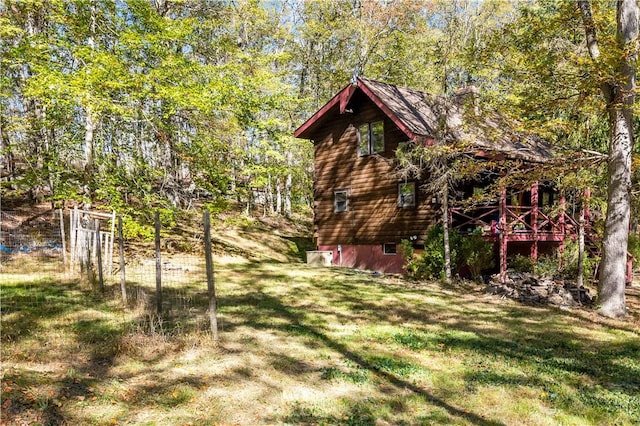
(21, 406)
(266, 308)
(89, 344)
(538, 350)
(302, 245)
(26, 306)
(547, 356)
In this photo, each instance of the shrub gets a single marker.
(430, 263)
(633, 246)
(132, 230)
(564, 266)
(477, 254)
(520, 263)
(433, 255)
(547, 265)
(470, 250)
(569, 267)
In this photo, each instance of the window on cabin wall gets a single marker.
(390, 248)
(406, 194)
(371, 138)
(340, 201)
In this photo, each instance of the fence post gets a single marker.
(158, 266)
(87, 254)
(211, 289)
(111, 241)
(123, 286)
(72, 237)
(99, 254)
(64, 243)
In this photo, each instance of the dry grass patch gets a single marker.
(302, 345)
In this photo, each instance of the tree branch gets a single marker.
(592, 43)
(589, 28)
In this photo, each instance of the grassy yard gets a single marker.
(303, 345)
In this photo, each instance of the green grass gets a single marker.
(303, 345)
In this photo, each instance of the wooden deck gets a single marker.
(504, 223)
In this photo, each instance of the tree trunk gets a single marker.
(620, 96)
(89, 131)
(287, 187)
(268, 197)
(278, 196)
(579, 280)
(613, 267)
(445, 231)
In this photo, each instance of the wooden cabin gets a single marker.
(362, 210)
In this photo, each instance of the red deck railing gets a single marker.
(523, 223)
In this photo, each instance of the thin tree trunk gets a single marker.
(123, 282)
(269, 199)
(579, 279)
(278, 196)
(445, 230)
(287, 187)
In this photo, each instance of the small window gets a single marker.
(407, 194)
(371, 138)
(390, 248)
(377, 137)
(340, 201)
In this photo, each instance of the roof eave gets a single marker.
(341, 98)
(388, 112)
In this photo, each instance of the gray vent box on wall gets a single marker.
(320, 258)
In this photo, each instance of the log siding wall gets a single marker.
(373, 216)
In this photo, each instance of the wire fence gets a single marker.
(172, 289)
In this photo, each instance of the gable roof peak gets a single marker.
(421, 116)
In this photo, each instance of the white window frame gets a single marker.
(335, 200)
(401, 202)
(395, 249)
(370, 148)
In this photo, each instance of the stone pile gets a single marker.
(534, 289)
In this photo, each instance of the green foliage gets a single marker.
(167, 217)
(135, 105)
(429, 264)
(217, 206)
(565, 266)
(133, 230)
(547, 265)
(520, 263)
(477, 253)
(470, 250)
(433, 255)
(569, 268)
(633, 246)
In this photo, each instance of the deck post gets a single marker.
(534, 221)
(503, 234)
